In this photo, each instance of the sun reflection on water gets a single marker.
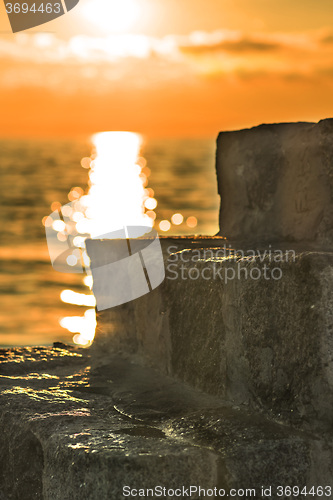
(79, 299)
(117, 196)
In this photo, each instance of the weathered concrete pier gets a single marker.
(222, 377)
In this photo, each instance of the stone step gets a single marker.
(74, 431)
(250, 329)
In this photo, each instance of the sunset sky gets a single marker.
(168, 67)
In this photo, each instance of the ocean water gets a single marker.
(36, 173)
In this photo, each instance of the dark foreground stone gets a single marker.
(218, 324)
(75, 430)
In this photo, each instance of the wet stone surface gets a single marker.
(263, 342)
(73, 427)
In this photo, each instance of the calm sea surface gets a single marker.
(36, 173)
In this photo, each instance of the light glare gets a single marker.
(113, 16)
(177, 219)
(165, 225)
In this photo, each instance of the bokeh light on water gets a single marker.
(117, 197)
(39, 176)
(117, 194)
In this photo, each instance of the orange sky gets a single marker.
(181, 68)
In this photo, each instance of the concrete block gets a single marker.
(276, 183)
(218, 324)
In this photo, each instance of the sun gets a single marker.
(114, 16)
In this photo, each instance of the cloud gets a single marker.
(95, 63)
(288, 56)
(46, 47)
(239, 42)
(235, 46)
(328, 39)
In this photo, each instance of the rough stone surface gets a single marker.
(264, 342)
(76, 429)
(276, 183)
